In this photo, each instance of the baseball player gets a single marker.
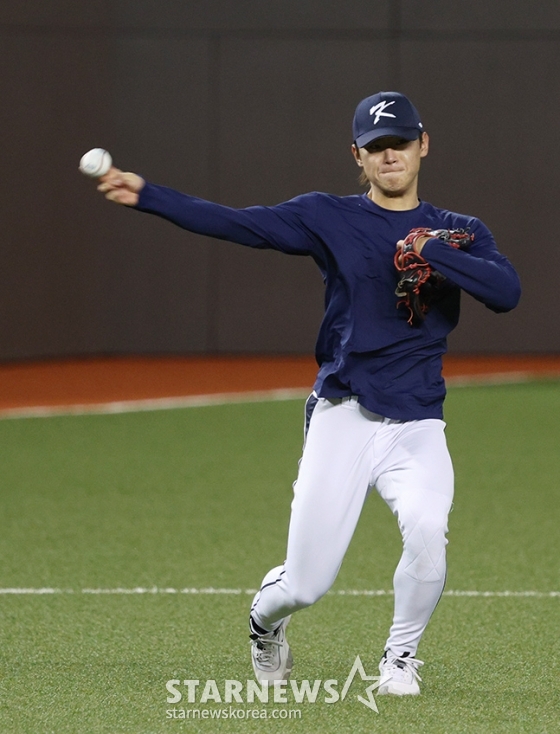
(393, 267)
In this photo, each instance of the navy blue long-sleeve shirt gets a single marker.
(365, 346)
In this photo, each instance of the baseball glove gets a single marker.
(419, 282)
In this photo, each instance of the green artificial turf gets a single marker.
(199, 498)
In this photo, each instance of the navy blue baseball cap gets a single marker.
(383, 114)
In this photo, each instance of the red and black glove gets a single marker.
(419, 282)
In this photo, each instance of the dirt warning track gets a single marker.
(107, 379)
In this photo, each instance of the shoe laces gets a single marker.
(265, 649)
(402, 663)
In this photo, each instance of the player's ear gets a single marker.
(424, 145)
(356, 154)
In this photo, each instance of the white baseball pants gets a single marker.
(349, 450)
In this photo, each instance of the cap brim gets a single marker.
(408, 133)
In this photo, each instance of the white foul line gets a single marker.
(137, 406)
(257, 396)
(210, 590)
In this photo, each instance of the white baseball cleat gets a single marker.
(271, 655)
(399, 674)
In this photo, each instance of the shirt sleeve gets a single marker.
(481, 270)
(287, 227)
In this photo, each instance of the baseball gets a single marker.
(96, 163)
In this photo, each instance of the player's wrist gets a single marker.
(420, 242)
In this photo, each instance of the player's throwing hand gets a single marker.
(120, 187)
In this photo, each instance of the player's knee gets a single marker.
(304, 595)
(424, 550)
(427, 533)
(419, 525)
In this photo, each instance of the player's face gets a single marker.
(391, 164)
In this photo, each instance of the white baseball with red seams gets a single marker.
(96, 162)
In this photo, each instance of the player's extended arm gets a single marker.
(287, 227)
(120, 187)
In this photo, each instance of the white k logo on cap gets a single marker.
(377, 110)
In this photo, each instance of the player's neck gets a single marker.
(401, 202)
